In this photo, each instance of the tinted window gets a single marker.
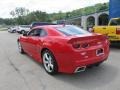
(31, 33)
(37, 32)
(43, 33)
(71, 30)
(115, 22)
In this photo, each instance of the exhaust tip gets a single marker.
(80, 69)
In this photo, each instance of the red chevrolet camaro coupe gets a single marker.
(64, 48)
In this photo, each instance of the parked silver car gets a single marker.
(23, 29)
(12, 29)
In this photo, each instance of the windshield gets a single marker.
(72, 30)
(115, 22)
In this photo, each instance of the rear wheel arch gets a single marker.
(46, 50)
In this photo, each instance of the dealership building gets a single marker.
(98, 18)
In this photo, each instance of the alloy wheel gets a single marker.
(48, 62)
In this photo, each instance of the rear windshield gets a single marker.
(72, 30)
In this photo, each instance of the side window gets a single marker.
(31, 33)
(37, 32)
(113, 22)
(34, 32)
(43, 33)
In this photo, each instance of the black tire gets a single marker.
(22, 32)
(20, 48)
(54, 68)
(13, 31)
(98, 64)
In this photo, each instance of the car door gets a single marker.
(40, 41)
(35, 43)
(25, 42)
(31, 40)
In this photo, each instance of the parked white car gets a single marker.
(23, 29)
(12, 29)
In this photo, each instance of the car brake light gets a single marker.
(85, 45)
(76, 45)
(118, 31)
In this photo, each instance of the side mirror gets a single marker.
(25, 34)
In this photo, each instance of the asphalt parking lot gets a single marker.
(20, 72)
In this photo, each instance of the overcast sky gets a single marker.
(45, 5)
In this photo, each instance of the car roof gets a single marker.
(51, 29)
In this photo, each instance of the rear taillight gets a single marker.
(118, 31)
(85, 45)
(76, 45)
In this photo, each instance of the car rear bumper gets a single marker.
(71, 68)
(69, 62)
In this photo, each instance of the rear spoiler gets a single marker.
(87, 38)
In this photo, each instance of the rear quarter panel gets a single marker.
(55, 44)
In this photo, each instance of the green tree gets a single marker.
(19, 11)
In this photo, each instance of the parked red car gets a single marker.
(64, 48)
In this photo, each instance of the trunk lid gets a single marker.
(86, 41)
